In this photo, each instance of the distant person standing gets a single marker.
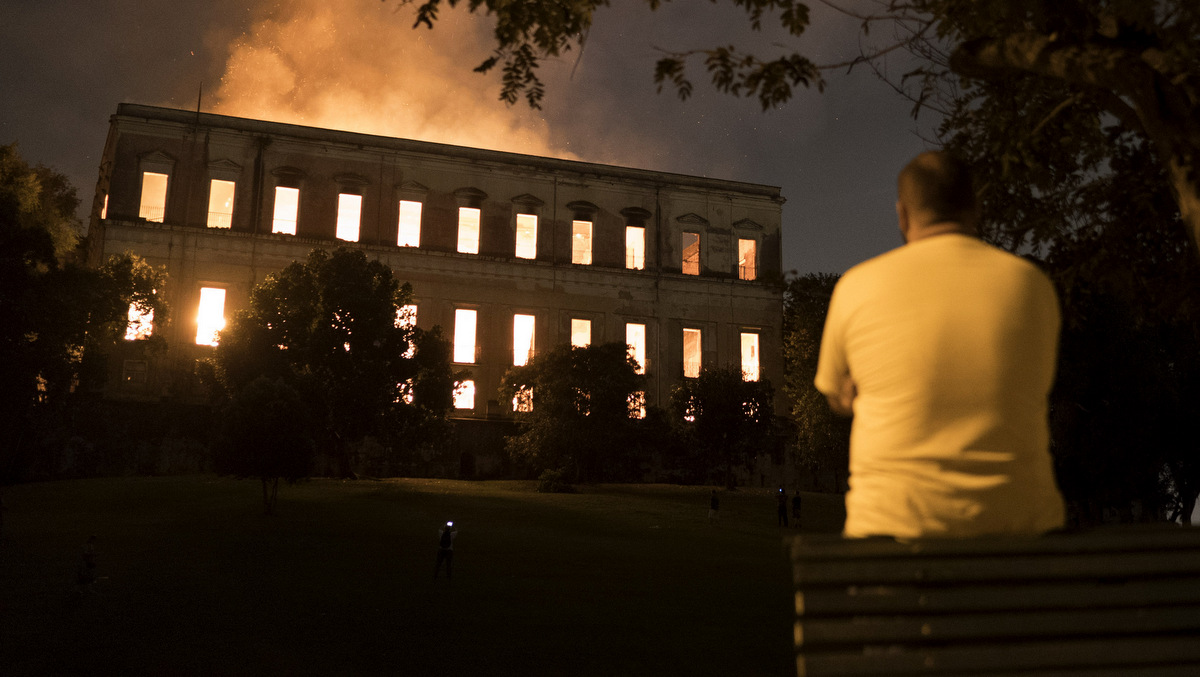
(714, 507)
(445, 553)
(796, 509)
(781, 510)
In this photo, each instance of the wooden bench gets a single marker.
(1119, 602)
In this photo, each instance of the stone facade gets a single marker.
(253, 159)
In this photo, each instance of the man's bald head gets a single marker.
(936, 188)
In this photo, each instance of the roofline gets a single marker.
(250, 125)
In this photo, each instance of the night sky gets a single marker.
(66, 64)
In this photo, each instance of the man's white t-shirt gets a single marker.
(952, 344)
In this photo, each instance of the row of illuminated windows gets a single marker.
(210, 319)
(285, 214)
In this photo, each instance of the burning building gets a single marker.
(508, 253)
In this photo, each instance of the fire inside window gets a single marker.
(581, 332)
(153, 206)
(464, 336)
(750, 368)
(635, 247)
(220, 203)
(210, 318)
(349, 216)
(406, 316)
(468, 230)
(287, 206)
(691, 253)
(523, 400)
(747, 259)
(581, 242)
(464, 395)
(637, 404)
(635, 338)
(691, 353)
(522, 339)
(526, 236)
(408, 231)
(140, 323)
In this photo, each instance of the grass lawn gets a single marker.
(614, 580)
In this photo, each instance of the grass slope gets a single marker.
(615, 580)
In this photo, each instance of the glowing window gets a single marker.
(750, 370)
(691, 353)
(635, 338)
(154, 197)
(287, 204)
(581, 333)
(349, 216)
(408, 231)
(211, 316)
(635, 247)
(464, 336)
(691, 253)
(464, 395)
(581, 242)
(523, 400)
(104, 209)
(526, 236)
(747, 259)
(637, 404)
(406, 316)
(220, 203)
(468, 230)
(140, 324)
(522, 339)
(405, 392)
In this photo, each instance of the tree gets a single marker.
(265, 434)
(728, 419)
(577, 403)
(1135, 63)
(329, 328)
(59, 315)
(822, 437)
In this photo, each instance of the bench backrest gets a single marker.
(1111, 602)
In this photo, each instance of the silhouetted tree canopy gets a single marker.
(579, 414)
(1129, 66)
(822, 437)
(58, 314)
(328, 327)
(727, 419)
(265, 433)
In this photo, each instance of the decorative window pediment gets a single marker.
(351, 183)
(692, 219)
(528, 202)
(156, 161)
(636, 215)
(747, 224)
(224, 169)
(411, 190)
(583, 209)
(289, 177)
(470, 197)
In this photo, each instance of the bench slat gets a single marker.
(869, 630)
(936, 570)
(1108, 653)
(891, 599)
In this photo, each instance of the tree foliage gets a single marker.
(1132, 66)
(265, 434)
(822, 437)
(58, 315)
(579, 419)
(727, 419)
(328, 327)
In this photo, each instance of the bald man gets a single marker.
(943, 351)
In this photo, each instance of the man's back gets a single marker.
(952, 346)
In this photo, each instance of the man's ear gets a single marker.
(902, 219)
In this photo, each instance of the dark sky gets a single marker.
(66, 64)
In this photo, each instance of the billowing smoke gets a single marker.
(357, 65)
